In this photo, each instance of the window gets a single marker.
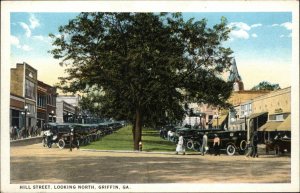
(31, 109)
(242, 107)
(30, 90)
(41, 101)
(279, 117)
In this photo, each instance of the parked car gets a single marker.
(279, 145)
(230, 141)
(57, 133)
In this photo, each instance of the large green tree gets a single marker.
(265, 85)
(143, 65)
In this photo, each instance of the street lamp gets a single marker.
(25, 113)
(245, 117)
(52, 114)
(79, 118)
(69, 115)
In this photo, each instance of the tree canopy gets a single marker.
(143, 66)
(265, 85)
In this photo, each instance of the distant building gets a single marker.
(65, 112)
(70, 99)
(68, 108)
(23, 96)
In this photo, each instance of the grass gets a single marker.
(122, 140)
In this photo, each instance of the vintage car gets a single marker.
(230, 141)
(58, 133)
(279, 146)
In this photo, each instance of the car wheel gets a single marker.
(230, 150)
(61, 143)
(190, 144)
(196, 146)
(243, 145)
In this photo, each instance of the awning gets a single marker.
(277, 125)
(285, 125)
(219, 121)
(270, 126)
(254, 115)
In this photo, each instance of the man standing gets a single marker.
(204, 144)
(255, 142)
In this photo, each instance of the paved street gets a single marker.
(35, 164)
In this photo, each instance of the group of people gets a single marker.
(204, 147)
(17, 133)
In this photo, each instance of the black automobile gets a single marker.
(83, 133)
(230, 141)
(58, 133)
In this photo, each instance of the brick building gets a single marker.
(23, 96)
(46, 104)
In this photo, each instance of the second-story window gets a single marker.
(30, 90)
(41, 100)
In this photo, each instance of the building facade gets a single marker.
(46, 104)
(23, 96)
(65, 112)
(278, 106)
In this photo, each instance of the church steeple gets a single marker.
(235, 77)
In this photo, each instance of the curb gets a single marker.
(27, 141)
(137, 152)
(127, 151)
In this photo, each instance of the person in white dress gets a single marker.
(180, 146)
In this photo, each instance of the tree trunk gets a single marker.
(133, 130)
(137, 136)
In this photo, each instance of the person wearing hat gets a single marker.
(216, 145)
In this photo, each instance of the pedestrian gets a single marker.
(216, 145)
(11, 132)
(71, 137)
(204, 144)
(255, 142)
(169, 134)
(15, 133)
(180, 146)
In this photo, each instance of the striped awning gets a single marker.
(284, 125)
(219, 121)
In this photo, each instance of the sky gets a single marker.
(261, 42)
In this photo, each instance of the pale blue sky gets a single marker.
(261, 42)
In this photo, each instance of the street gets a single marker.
(35, 164)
